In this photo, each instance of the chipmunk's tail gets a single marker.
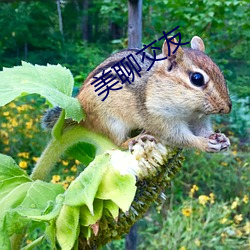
(50, 118)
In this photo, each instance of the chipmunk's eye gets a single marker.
(197, 79)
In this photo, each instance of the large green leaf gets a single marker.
(67, 226)
(118, 188)
(86, 218)
(9, 168)
(53, 82)
(20, 197)
(6, 186)
(83, 152)
(39, 194)
(83, 189)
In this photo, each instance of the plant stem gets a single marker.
(57, 147)
(16, 240)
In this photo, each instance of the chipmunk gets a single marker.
(172, 101)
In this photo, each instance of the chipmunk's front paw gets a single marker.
(218, 142)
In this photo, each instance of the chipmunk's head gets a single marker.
(194, 80)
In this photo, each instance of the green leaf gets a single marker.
(86, 231)
(6, 186)
(46, 216)
(53, 82)
(83, 152)
(39, 194)
(50, 234)
(14, 198)
(9, 168)
(118, 188)
(86, 218)
(34, 243)
(14, 223)
(58, 127)
(26, 202)
(112, 208)
(20, 197)
(67, 226)
(4, 240)
(83, 189)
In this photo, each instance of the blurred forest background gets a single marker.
(207, 206)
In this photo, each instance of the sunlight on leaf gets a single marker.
(53, 82)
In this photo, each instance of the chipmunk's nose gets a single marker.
(227, 108)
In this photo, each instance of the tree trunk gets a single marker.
(134, 23)
(59, 16)
(85, 28)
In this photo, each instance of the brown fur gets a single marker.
(162, 101)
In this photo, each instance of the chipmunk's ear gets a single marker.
(197, 43)
(168, 48)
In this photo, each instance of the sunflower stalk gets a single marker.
(158, 164)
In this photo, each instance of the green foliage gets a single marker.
(223, 26)
(198, 224)
(52, 82)
(83, 152)
(19, 198)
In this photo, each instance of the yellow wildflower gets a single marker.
(238, 218)
(224, 164)
(65, 185)
(203, 199)
(23, 164)
(235, 203)
(6, 113)
(223, 220)
(28, 241)
(211, 195)
(223, 235)
(73, 168)
(245, 199)
(70, 178)
(247, 227)
(6, 141)
(234, 152)
(14, 123)
(12, 105)
(197, 242)
(65, 163)
(29, 124)
(193, 190)
(55, 178)
(182, 248)
(24, 154)
(77, 162)
(35, 159)
(187, 211)
(23, 107)
(4, 134)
